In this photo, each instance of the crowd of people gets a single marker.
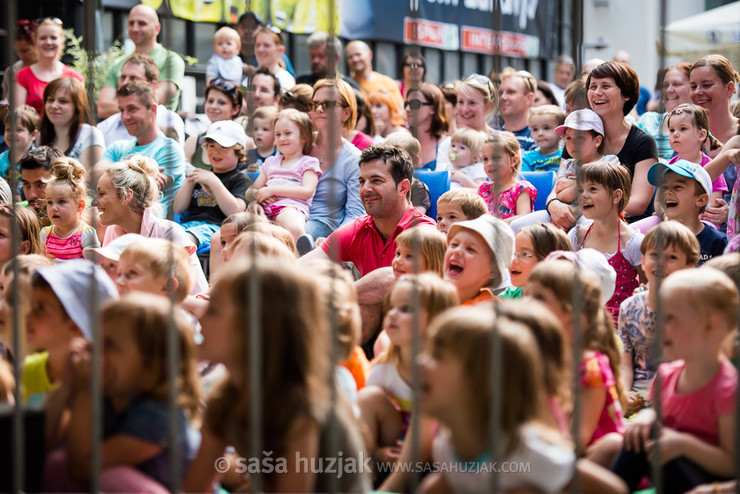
(299, 221)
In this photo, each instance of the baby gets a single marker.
(225, 62)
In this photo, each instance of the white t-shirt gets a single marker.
(385, 375)
(535, 462)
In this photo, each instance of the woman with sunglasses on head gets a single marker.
(223, 102)
(24, 49)
(386, 116)
(268, 50)
(477, 99)
(333, 110)
(428, 122)
(31, 80)
(413, 68)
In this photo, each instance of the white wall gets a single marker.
(634, 26)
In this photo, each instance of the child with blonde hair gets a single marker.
(385, 403)
(294, 372)
(605, 191)
(67, 235)
(666, 248)
(697, 387)
(136, 440)
(458, 205)
(261, 129)
(287, 182)
(466, 166)
(155, 265)
(554, 283)
(225, 62)
(506, 195)
(456, 390)
(543, 123)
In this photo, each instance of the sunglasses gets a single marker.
(413, 65)
(227, 86)
(482, 80)
(415, 104)
(54, 20)
(528, 79)
(327, 105)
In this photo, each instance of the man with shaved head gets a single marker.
(359, 58)
(143, 29)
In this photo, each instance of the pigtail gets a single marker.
(714, 143)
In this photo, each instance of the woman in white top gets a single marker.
(64, 123)
(268, 50)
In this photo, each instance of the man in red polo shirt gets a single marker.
(370, 241)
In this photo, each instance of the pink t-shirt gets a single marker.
(697, 413)
(276, 174)
(35, 87)
(504, 205)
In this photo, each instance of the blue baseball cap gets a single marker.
(684, 168)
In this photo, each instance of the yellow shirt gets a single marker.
(35, 378)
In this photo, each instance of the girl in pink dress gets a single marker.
(604, 189)
(507, 197)
(287, 182)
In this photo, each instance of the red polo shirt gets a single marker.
(360, 242)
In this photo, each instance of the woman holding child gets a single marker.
(613, 90)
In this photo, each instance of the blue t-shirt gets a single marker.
(148, 420)
(711, 243)
(167, 152)
(4, 163)
(535, 161)
(524, 137)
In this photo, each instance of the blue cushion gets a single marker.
(438, 183)
(543, 182)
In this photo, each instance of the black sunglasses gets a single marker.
(415, 104)
(327, 105)
(223, 84)
(413, 65)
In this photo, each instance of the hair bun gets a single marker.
(66, 168)
(144, 165)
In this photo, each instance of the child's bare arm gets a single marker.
(718, 460)
(202, 471)
(592, 402)
(730, 154)
(462, 179)
(256, 185)
(303, 192)
(638, 432)
(227, 202)
(568, 191)
(182, 196)
(523, 206)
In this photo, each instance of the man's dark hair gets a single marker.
(39, 157)
(398, 161)
(267, 72)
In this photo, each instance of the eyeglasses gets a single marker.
(415, 104)
(523, 256)
(54, 20)
(327, 105)
(413, 65)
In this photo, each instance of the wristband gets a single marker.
(549, 201)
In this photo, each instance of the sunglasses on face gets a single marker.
(415, 104)
(327, 105)
(413, 65)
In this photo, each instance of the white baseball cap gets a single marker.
(596, 263)
(582, 120)
(113, 250)
(684, 168)
(227, 133)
